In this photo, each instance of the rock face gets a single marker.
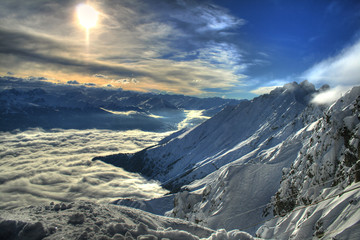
(329, 158)
(11, 229)
(321, 188)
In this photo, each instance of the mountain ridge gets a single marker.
(241, 193)
(244, 192)
(221, 139)
(25, 105)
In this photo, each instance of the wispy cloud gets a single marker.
(263, 90)
(167, 45)
(340, 70)
(329, 96)
(207, 17)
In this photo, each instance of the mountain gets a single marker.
(228, 170)
(320, 190)
(246, 129)
(23, 105)
(318, 167)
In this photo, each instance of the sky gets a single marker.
(225, 48)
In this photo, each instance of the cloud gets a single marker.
(329, 96)
(72, 82)
(209, 17)
(42, 166)
(101, 76)
(263, 90)
(126, 81)
(340, 70)
(162, 44)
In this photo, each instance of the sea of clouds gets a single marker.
(38, 166)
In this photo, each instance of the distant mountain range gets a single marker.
(22, 105)
(277, 165)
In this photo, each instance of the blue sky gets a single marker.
(293, 36)
(227, 48)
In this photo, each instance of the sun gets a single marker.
(87, 15)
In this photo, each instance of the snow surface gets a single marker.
(319, 194)
(240, 191)
(87, 220)
(247, 165)
(243, 192)
(336, 217)
(240, 150)
(251, 126)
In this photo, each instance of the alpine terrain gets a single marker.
(279, 159)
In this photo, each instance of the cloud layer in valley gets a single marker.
(40, 166)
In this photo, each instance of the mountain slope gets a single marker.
(248, 128)
(314, 163)
(322, 183)
(240, 191)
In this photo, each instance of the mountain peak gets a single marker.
(304, 85)
(302, 92)
(307, 85)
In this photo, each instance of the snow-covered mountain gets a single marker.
(310, 162)
(66, 106)
(320, 191)
(233, 164)
(242, 131)
(318, 162)
(277, 166)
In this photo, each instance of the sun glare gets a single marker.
(87, 15)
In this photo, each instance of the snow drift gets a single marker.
(86, 220)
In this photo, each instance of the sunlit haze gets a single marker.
(87, 15)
